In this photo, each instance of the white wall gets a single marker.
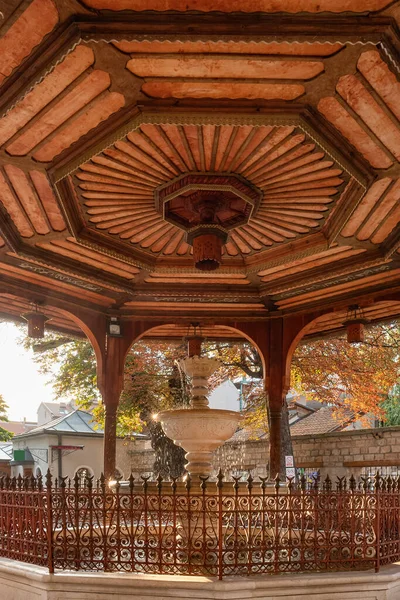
(91, 456)
(225, 397)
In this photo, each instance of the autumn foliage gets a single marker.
(355, 379)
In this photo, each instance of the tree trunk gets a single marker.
(169, 458)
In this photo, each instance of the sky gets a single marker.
(22, 386)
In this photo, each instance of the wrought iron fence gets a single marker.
(201, 528)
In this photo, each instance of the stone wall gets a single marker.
(339, 454)
(349, 452)
(342, 453)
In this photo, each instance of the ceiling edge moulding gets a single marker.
(391, 55)
(320, 285)
(147, 25)
(334, 278)
(223, 271)
(152, 115)
(26, 262)
(222, 299)
(216, 38)
(294, 255)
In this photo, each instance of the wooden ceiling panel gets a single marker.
(46, 196)
(39, 18)
(242, 102)
(352, 131)
(372, 114)
(82, 94)
(74, 65)
(223, 68)
(98, 111)
(72, 249)
(366, 205)
(333, 255)
(381, 78)
(14, 208)
(189, 279)
(290, 6)
(298, 182)
(230, 47)
(30, 202)
(71, 99)
(388, 202)
(377, 312)
(368, 113)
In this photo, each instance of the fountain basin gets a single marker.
(199, 431)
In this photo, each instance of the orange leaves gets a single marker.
(353, 378)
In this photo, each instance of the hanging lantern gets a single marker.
(194, 341)
(355, 322)
(207, 242)
(36, 323)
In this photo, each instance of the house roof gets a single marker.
(321, 421)
(317, 422)
(17, 427)
(55, 407)
(77, 421)
(5, 452)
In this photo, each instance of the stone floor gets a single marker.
(19, 581)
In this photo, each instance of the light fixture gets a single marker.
(36, 323)
(194, 340)
(114, 327)
(354, 323)
(207, 242)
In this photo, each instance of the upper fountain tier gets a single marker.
(199, 430)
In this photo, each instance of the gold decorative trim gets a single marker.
(394, 62)
(112, 254)
(216, 38)
(69, 272)
(283, 259)
(380, 264)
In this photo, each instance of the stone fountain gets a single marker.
(199, 430)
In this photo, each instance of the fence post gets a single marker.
(220, 484)
(50, 544)
(377, 523)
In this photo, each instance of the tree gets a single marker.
(5, 435)
(391, 406)
(353, 379)
(153, 382)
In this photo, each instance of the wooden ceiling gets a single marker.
(104, 101)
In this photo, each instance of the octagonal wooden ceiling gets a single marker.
(100, 107)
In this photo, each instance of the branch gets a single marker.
(51, 345)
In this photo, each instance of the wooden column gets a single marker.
(111, 387)
(110, 378)
(276, 393)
